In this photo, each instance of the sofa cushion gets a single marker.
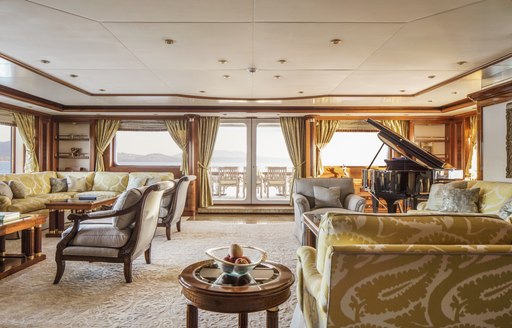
(327, 197)
(460, 200)
(126, 200)
(153, 176)
(305, 187)
(18, 189)
(58, 185)
(435, 198)
(25, 205)
(76, 184)
(89, 177)
(492, 194)
(99, 235)
(110, 181)
(35, 183)
(136, 182)
(506, 210)
(5, 190)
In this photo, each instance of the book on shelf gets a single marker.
(9, 216)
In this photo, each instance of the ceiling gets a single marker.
(113, 53)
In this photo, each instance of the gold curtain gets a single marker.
(471, 138)
(105, 132)
(294, 132)
(178, 129)
(27, 129)
(325, 129)
(207, 134)
(398, 126)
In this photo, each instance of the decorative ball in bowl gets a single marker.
(236, 260)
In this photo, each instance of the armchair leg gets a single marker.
(147, 255)
(61, 265)
(128, 270)
(178, 225)
(168, 231)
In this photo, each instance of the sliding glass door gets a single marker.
(250, 163)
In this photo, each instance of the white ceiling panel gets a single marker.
(114, 81)
(191, 82)
(156, 10)
(308, 46)
(476, 34)
(291, 82)
(31, 33)
(197, 45)
(390, 82)
(351, 10)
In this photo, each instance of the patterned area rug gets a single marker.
(95, 294)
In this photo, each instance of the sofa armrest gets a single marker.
(354, 203)
(308, 277)
(4, 203)
(421, 206)
(301, 203)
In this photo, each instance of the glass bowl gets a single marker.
(254, 254)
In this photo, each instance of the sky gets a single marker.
(5, 133)
(142, 143)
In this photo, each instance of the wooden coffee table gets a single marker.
(57, 209)
(205, 290)
(31, 246)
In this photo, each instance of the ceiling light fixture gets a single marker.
(462, 62)
(402, 90)
(429, 100)
(226, 76)
(282, 61)
(252, 69)
(45, 61)
(454, 92)
(222, 61)
(103, 90)
(431, 76)
(169, 41)
(335, 41)
(277, 77)
(73, 75)
(202, 91)
(301, 92)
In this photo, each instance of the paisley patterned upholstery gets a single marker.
(35, 183)
(407, 271)
(110, 181)
(25, 205)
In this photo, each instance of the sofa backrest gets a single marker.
(492, 194)
(400, 229)
(164, 176)
(305, 187)
(110, 181)
(89, 177)
(35, 183)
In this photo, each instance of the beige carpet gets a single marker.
(95, 294)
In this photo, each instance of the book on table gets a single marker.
(9, 216)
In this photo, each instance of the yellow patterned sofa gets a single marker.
(492, 196)
(97, 183)
(407, 271)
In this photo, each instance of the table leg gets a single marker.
(2, 247)
(52, 222)
(38, 240)
(27, 242)
(191, 316)
(273, 317)
(242, 320)
(60, 222)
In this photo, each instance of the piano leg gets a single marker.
(392, 205)
(375, 205)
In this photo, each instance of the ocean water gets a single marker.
(5, 167)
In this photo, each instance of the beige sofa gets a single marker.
(97, 184)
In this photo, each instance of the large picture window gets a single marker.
(354, 149)
(146, 148)
(6, 149)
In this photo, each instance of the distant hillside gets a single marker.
(5, 150)
(149, 158)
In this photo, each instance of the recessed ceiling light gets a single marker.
(402, 90)
(30, 106)
(202, 91)
(301, 92)
(431, 76)
(226, 76)
(335, 41)
(45, 61)
(462, 62)
(277, 77)
(222, 61)
(169, 41)
(282, 61)
(252, 69)
(73, 75)
(103, 90)
(429, 100)
(454, 92)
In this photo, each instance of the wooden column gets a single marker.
(480, 139)
(310, 147)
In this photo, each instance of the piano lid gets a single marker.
(408, 148)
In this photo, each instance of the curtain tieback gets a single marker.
(300, 164)
(202, 166)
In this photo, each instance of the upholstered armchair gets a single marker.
(134, 220)
(425, 270)
(304, 200)
(173, 205)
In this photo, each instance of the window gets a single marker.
(5, 149)
(354, 149)
(146, 148)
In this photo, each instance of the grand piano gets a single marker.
(405, 178)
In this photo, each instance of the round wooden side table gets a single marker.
(206, 288)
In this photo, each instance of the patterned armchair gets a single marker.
(407, 271)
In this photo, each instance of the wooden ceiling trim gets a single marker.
(28, 98)
(502, 90)
(15, 108)
(462, 103)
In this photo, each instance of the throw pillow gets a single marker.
(76, 184)
(460, 200)
(136, 182)
(506, 210)
(435, 198)
(58, 185)
(5, 190)
(327, 197)
(18, 189)
(126, 200)
(152, 181)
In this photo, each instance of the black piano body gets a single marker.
(405, 178)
